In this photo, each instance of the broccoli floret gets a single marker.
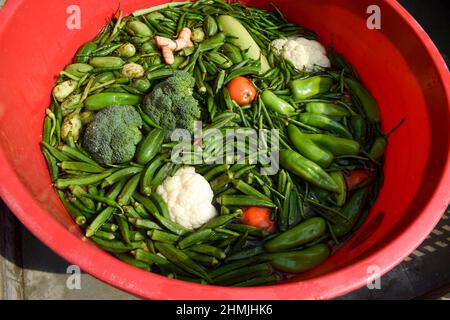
(112, 136)
(171, 104)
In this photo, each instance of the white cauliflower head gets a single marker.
(303, 53)
(189, 198)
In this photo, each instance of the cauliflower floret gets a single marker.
(189, 198)
(303, 53)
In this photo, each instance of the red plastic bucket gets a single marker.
(399, 64)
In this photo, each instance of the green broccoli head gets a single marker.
(171, 104)
(112, 136)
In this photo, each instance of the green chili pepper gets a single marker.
(308, 148)
(233, 53)
(305, 88)
(83, 54)
(306, 169)
(303, 233)
(299, 261)
(139, 28)
(324, 123)
(78, 69)
(351, 211)
(106, 62)
(102, 100)
(210, 26)
(328, 109)
(341, 195)
(213, 42)
(276, 104)
(149, 146)
(336, 145)
(365, 99)
(378, 148)
(219, 59)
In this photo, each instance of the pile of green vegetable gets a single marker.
(106, 140)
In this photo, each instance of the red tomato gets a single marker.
(242, 91)
(355, 178)
(258, 217)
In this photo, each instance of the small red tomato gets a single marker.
(355, 178)
(242, 91)
(258, 217)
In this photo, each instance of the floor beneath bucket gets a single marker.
(29, 270)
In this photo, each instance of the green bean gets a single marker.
(147, 176)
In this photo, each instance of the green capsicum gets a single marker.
(303, 233)
(306, 169)
(305, 88)
(299, 261)
(308, 148)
